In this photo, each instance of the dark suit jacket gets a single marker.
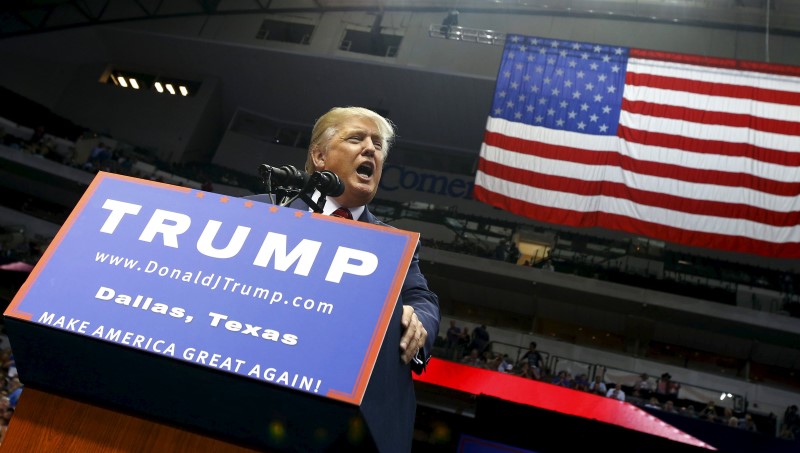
(389, 405)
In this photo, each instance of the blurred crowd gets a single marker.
(10, 387)
(474, 348)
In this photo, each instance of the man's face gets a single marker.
(355, 154)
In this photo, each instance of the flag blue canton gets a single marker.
(563, 85)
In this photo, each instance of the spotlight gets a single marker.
(183, 90)
(170, 88)
(159, 88)
(122, 82)
(134, 84)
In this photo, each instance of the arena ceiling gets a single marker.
(32, 16)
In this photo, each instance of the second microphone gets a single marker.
(289, 177)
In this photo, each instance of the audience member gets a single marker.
(14, 388)
(616, 392)
(38, 134)
(490, 360)
(669, 406)
(506, 365)
(666, 386)
(598, 386)
(653, 403)
(534, 359)
(4, 418)
(125, 165)
(501, 251)
(786, 433)
(480, 338)
(512, 254)
(709, 412)
(464, 339)
(524, 370)
(748, 424)
(582, 382)
(563, 379)
(452, 337)
(643, 384)
(791, 418)
(727, 413)
(10, 389)
(473, 358)
(7, 363)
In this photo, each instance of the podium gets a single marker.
(88, 391)
(73, 426)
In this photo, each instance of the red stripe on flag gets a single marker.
(638, 196)
(636, 226)
(709, 117)
(613, 158)
(715, 62)
(713, 88)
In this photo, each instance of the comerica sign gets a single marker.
(396, 177)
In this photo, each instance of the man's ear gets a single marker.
(318, 157)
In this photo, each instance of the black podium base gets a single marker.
(230, 407)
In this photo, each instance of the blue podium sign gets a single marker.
(287, 297)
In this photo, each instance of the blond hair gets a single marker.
(327, 125)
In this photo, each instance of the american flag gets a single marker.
(691, 150)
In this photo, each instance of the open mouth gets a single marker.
(365, 170)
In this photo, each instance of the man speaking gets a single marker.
(353, 143)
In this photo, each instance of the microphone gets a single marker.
(285, 176)
(328, 183)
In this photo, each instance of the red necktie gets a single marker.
(343, 213)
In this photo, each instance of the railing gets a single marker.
(458, 33)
